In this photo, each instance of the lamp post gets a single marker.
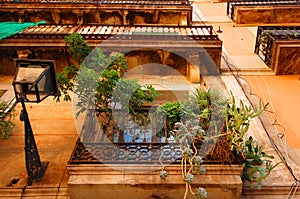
(34, 81)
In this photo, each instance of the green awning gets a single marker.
(10, 28)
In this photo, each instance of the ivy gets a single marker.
(6, 120)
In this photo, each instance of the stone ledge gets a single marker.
(266, 192)
(266, 15)
(35, 192)
(143, 181)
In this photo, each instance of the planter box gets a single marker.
(131, 170)
(255, 13)
(279, 48)
(123, 181)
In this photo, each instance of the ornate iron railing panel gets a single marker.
(231, 4)
(126, 153)
(267, 35)
(136, 139)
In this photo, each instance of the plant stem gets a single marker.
(186, 190)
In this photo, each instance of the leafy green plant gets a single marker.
(257, 163)
(97, 82)
(6, 120)
(238, 122)
(168, 114)
(213, 118)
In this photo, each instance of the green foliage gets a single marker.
(206, 106)
(210, 107)
(65, 79)
(6, 120)
(65, 82)
(257, 163)
(213, 116)
(238, 122)
(131, 95)
(98, 83)
(78, 47)
(172, 112)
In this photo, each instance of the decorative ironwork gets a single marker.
(35, 168)
(231, 4)
(267, 35)
(135, 144)
(126, 153)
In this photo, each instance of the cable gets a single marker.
(59, 186)
(295, 186)
(23, 191)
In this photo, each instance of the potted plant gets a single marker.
(207, 118)
(97, 80)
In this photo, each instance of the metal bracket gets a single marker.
(35, 168)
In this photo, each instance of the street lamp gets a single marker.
(34, 81)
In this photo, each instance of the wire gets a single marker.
(23, 191)
(295, 186)
(59, 186)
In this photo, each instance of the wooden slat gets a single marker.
(127, 31)
(109, 30)
(97, 30)
(143, 29)
(52, 29)
(183, 31)
(132, 29)
(138, 29)
(205, 31)
(189, 31)
(79, 31)
(92, 30)
(85, 30)
(171, 30)
(37, 29)
(178, 31)
(200, 32)
(60, 29)
(103, 30)
(121, 30)
(115, 30)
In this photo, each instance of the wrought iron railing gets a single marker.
(102, 32)
(126, 153)
(231, 4)
(136, 139)
(267, 35)
(132, 2)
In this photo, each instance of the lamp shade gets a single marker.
(34, 79)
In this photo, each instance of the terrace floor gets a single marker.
(242, 72)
